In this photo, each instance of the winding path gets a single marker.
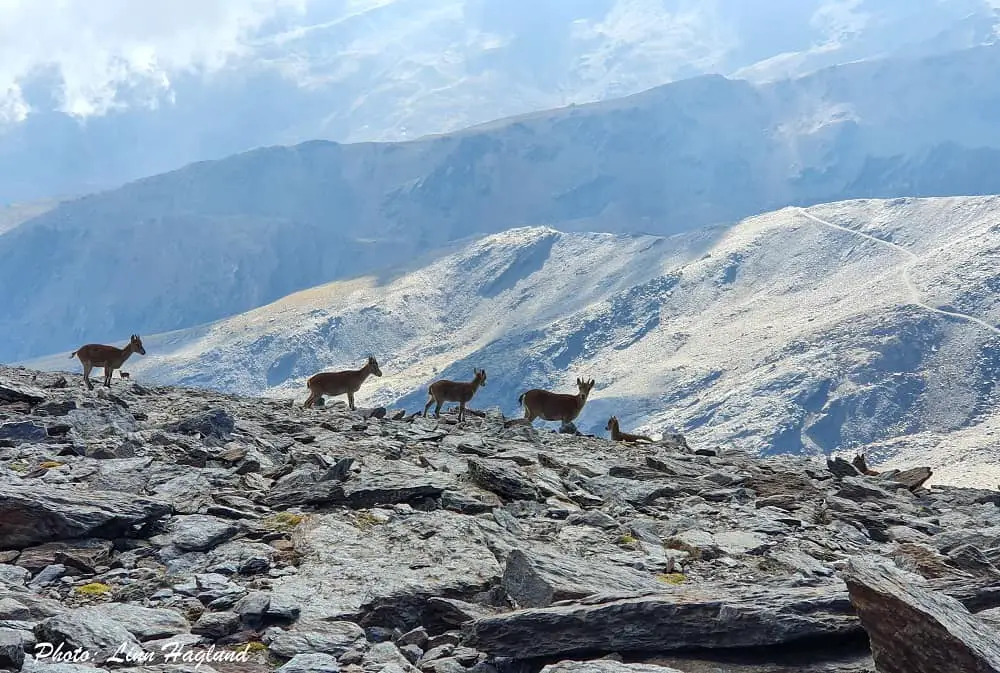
(914, 292)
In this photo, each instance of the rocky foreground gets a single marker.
(162, 529)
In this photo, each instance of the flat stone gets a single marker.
(535, 577)
(34, 514)
(688, 617)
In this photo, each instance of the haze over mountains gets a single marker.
(115, 101)
(218, 238)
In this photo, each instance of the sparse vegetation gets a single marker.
(626, 540)
(672, 578)
(93, 589)
(49, 464)
(284, 521)
(365, 520)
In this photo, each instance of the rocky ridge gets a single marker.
(155, 520)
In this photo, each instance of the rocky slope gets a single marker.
(373, 541)
(780, 334)
(709, 150)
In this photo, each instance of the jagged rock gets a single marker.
(23, 431)
(605, 666)
(31, 514)
(12, 609)
(504, 480)
(915, 630)
(375, 490)
(984, 538)
(217, 423)
(86, 555)
(216, 624)
(311, 663)
(594, 518)
(860, 489)
(196, 532)
(971, 558)
(538, 578)
(10, 393)
(387, 571)
(685, 618)
(912, 479)
(453, 612)
(89, 629)
(324, 637)
(145, 623)
(841, 468)
(11, 650)
(54, 408)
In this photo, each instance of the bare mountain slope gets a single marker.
(398, 69)
(795, 331)
(219, 238)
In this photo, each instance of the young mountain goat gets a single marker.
(109, 357)
(123, 375)
(443, 390)
(618, 436)
(551, 406)
(338, 383)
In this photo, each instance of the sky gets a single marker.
(99, 47)
(104, 54)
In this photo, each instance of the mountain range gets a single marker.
(390, 70)
(866, 324)
(218, 238)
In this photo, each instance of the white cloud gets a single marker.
(99, 47)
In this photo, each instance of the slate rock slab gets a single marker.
(915, 630)
(34, 514)
(537, 578)
(702, 617)
(87, 628)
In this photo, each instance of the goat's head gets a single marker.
(585, 387)
(612, 422)
(480, 376)
(373, 366)
(136, 343)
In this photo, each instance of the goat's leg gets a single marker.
(437, 409)
(108, 371)
(430, 401)
(87, 367)
(461, 411)
(350, 400)
(309, 400)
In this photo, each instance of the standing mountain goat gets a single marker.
(618, 436)
(453, 391)
(338, 383)
(551, 406)
(109, 357)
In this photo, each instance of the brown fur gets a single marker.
(551, 406)
(618, 436)
(124, 375)
(862, 465)
(443, 390)
(338, 383)
(108, 357)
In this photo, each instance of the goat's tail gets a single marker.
(72, 355)
(520, 399)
